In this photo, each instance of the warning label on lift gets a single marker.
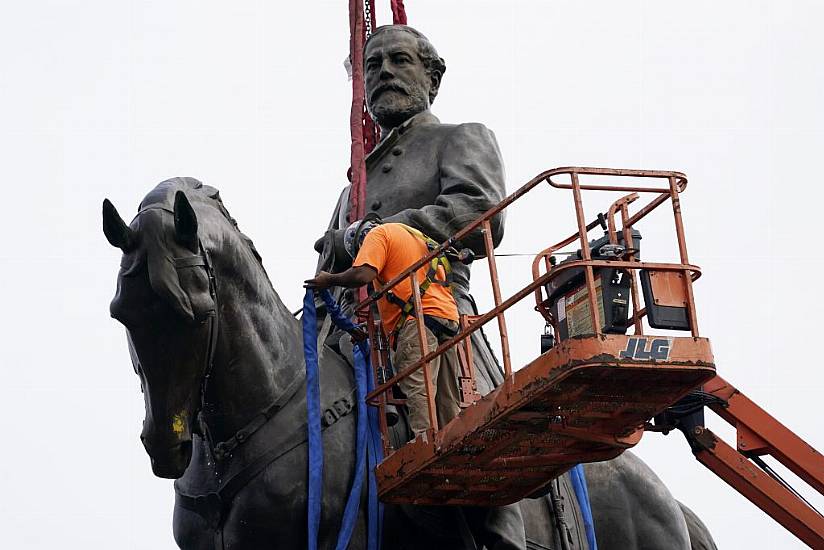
(577, 312)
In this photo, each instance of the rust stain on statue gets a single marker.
(179, 424)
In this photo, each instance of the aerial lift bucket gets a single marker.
(588, 397)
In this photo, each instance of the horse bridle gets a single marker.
(197, 260)
(204, 260)
(222, 449)
(214, 505)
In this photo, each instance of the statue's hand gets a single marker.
(333, 255)
(319, 244)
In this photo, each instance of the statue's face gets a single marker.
(396, 81)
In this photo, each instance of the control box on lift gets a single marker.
(569, 299)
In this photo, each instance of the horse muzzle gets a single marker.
(169, 462)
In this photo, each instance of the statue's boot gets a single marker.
(499, 528)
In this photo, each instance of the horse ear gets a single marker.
(117, 232)
(185, 222)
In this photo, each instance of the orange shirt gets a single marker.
(391, 249)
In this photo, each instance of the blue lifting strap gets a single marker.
(375, 456)
(579, 485)
(368, 449)
(314, 436)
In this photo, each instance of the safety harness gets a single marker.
(407, 307)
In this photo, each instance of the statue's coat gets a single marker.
(438, 178)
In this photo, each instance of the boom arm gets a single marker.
(758, 434)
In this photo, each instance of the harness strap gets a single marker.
(441, 331)
(225, 448)
(222, 449)
(212, 506)
(407, 307)
(440, 259)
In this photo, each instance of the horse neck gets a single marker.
(259, 348)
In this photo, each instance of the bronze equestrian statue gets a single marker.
(220, 362)
(221, 367)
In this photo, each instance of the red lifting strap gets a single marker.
(371, 133)
(398, 13)
(364, 132)
(356, 115)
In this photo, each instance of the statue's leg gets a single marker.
(700, 537)
(194, 527)
(541, 518)
(191, 531)
(632, 509)
(499, 528)
(408, 527)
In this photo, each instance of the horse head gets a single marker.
(182, 256)
(166, 301)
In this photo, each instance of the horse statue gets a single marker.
(220, 363)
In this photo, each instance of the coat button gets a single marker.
(376, 205)
(397, 151)
(385, 168)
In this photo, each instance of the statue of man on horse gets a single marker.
(222, 369)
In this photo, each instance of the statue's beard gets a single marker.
(391, 109)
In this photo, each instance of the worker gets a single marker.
(382, 252)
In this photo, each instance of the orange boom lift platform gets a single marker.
(593, 391)
(591, 395)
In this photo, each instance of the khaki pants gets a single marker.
(443, 374)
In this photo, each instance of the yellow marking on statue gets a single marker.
(179, 424)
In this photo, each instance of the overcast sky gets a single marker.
(107, 98)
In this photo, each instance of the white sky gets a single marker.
(105, 99)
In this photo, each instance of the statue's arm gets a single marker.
(341, 209)
(471, 182)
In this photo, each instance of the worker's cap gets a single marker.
(356, 232)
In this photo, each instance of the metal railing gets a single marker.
(676, 183)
